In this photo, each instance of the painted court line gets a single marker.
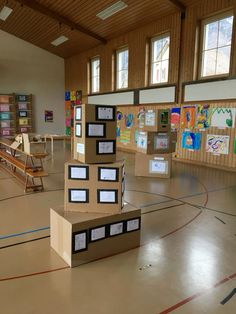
(196, 295)
(22, 233)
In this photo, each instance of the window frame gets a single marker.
(116, 68)
(91, 74)
(152, 39)
(204, 22)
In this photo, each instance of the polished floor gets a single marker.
(186, 262)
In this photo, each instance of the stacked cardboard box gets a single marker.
(155, 145)
(94, 221)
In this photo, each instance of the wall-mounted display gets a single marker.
(188, 117)
(223, 117)
(217, 144)
(175, 118)
(191, 140)
(203, 120)
(105, 113)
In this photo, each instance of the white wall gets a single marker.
(25, 68)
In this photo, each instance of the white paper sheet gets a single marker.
(156, 166)
(116, 228)
(107, 196)
(78, 196)
(142, 140)
(150, 118)
(98, 233)
(80, 241)
(106, 147)
(80, 148)
(105, 113)
(78, 129)
(78, 173)
(78, 113)
(132, 224)
(108, 174)
(95, 129)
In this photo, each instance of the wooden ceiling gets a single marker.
(40, 22)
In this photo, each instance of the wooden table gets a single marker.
(53, 137)
(27, 169)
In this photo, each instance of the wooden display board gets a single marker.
(7, 116)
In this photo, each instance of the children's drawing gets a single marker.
(218, 144)
(203, 117)
(150, 118)
(175, 118)
(119, 115)
(223, 117)
(161, 141)
(136, 136)
(117, 131)
(129, 120)
(142, 140)
(125, 136)
(191, 140)
(188, 117)
(141, 117)
(235, 146)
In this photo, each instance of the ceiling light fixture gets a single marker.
(111, 10)
(5, 12)
(60, 40)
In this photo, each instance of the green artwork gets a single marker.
(235, 145)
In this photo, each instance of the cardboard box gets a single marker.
(95, 133)
(95, 188)
(153, 165)
(84, 237)
(155, 143)
(157, 120)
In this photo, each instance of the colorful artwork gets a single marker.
(203, 117)
(161, 141)
(119, 115)
(217, 144)
(175, 118)
(142, 140)
(235, 146)
(188, 117)
(67, 95)
(191, 140)
(117, 131)
(125, 136)
(141, 117)
(150, 118)
(48, 116)
(223, 117)
(136, 136)
(129, 120)
(4, 107)
(78, 95)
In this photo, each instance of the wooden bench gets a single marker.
(29, 171)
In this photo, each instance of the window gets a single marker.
(122, 64)
(160, 50)
(95, 75)
(216, 45)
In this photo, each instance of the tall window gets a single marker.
(95, 75)
(216, 45)
(122, 64)
(160, 50)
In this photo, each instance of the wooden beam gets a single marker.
(177, 4)
(34, 5)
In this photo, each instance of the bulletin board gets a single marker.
(219, 132)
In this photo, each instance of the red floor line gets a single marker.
(194, 296)
(34, 274)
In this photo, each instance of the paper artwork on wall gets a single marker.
(150, 118)
(217, 144)
(161, 141)
(188, 117)
(129, 120)
(223, 117)
(48, 116)
(141, 117)
(125, 136)
(203, 117)
(142, 140)
(191, 140)
(175, 118)
(118, 131)
(119, 115)
(235, 146)
(158, 166)
(136, 136)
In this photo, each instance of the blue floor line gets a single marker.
(22, 233)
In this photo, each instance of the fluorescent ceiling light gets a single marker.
(114, 8)
(60, 40)
(4, 13)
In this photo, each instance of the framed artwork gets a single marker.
(223, 117)
(48, 115)
(191, 140)
(217, 144)
(188, 117)
(175, 118)
(203, 120)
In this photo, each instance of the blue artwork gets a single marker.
(129, 120)
(191, 140)
(67, 95)
(117, 131)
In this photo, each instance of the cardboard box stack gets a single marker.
(94, 221)
(155, 145)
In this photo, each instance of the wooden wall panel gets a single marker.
(76, 66)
